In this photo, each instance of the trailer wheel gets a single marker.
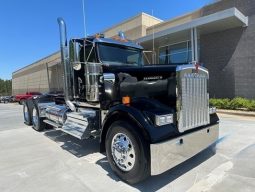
(37, 121)
(26, 114)
(127, 152)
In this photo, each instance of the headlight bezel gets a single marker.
(166, 119)
(212, 110)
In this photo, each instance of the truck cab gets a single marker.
(148, 118)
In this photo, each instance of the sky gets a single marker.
(29, 30)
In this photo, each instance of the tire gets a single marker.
(27, 114)
(135, 165)
(21, 101)
(213, 148)
(37, 121)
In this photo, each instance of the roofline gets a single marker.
(151, 16)
(232, 12)
(174, 18)
(184, 15)
(131, 18)
(36, 62)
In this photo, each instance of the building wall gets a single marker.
(134, 27)
(230, 55)
(42, 76)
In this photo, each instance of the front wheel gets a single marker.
(37, 121)
(127, 152)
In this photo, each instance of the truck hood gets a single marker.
(150, 72)
(155, 82)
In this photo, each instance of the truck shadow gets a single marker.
(81, 148)
(77, 147)
(155, 183)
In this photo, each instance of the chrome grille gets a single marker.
(193, 99)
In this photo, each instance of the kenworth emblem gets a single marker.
(153, 78)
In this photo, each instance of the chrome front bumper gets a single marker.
(168, 154)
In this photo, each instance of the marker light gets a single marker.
(126, 100)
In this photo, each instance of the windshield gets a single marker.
(120, 55)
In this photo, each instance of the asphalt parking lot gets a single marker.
(53, 161)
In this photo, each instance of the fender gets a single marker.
(135, 115)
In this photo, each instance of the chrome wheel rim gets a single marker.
(123, 152)
(26, 113)
(35, 117)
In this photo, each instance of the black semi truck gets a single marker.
(149, 118)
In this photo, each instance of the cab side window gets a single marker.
(90, 54)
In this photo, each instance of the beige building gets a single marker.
(41, 76)
(218, 36)
(134, 28)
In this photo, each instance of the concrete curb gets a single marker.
(235, 112)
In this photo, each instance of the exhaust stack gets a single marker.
(67, 69)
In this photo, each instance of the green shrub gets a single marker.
(251, 105)
(236, 103)
(239, 103)
(220, 103)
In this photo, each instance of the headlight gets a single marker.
(212, 110)
(163, 119)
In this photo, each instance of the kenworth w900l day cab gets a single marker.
(148, 118)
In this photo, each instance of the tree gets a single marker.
(5, 87)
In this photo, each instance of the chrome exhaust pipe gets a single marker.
(68, 91)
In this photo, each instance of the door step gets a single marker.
(81, 124)
(53, 124)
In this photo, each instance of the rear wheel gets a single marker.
(21, 101)
(37, 121)
(127, 152)
(26, 114)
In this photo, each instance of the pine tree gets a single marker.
(5, 87)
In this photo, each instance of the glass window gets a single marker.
(163, 55)
(179, 53)
(120, 55)
(178, 48)
(178, 58)
(90, 54)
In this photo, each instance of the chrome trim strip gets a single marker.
(92, 105)
(190, 66)
(168, 154)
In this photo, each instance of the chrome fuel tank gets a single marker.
(57, 113)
